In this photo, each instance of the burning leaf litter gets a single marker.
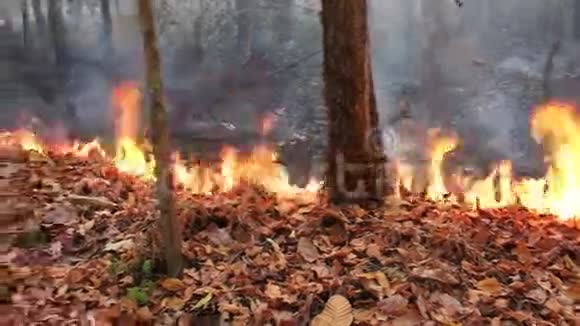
(255, 258)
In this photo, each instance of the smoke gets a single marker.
(475, 69)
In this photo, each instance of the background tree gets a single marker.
(160, 140)
(355, 157)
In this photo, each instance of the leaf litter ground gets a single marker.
(79, 243)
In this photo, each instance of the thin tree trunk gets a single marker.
(577, 20)
(244, 23)
(39, 18)
(356, 161)
(57, 31)
(160, 140)
(283, 21)
(107, 27)
(25, 25)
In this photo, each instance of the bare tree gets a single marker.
(160, 139)
(356, 161)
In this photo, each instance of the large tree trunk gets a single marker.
(160, 140)
(356, 161)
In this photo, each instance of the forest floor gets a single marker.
(79, 243)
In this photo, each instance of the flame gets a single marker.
(557, 127)
(441, 145)
(554, 125)
(130, 158)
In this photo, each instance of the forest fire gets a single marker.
(554, 125)
(259, 167)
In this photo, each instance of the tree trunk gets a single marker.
(39, 18)
(107, 27)
(57, 31)
(577, 20)
(283, 21)
(244, 23)
(25, 25)
(356, 161)
(160, 140)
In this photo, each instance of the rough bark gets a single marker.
(356, 161)
(107, 27)
(160, 139)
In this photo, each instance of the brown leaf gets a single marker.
(145, 315)
(435, 274)
(538, 295)
(395, 305)
(374, 250)
(95, 202)
(553, 305)
(60, 215)
(173, 303)
(490, 286)
(307, 250)
(376, 283)
(523, 253)
(172, 284)
(337, 312)
(364, 315)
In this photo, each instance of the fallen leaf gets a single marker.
(376, 283)
(60, 215)
(395, 305)
(490, 286)
(120, 246)
(436, 275)
(538, 295)
(173, 303)
(337, 312)
(203, 302)
(95, 202)
(172, 284)
(307, 250)
(145, 315)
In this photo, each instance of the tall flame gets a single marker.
(441, 145)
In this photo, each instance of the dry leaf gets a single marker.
(490, 286)
(307, 250)
(145, 315)
(376, 283)
(337, 312)
(395, 305)
(173, 303)
(172, 284)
